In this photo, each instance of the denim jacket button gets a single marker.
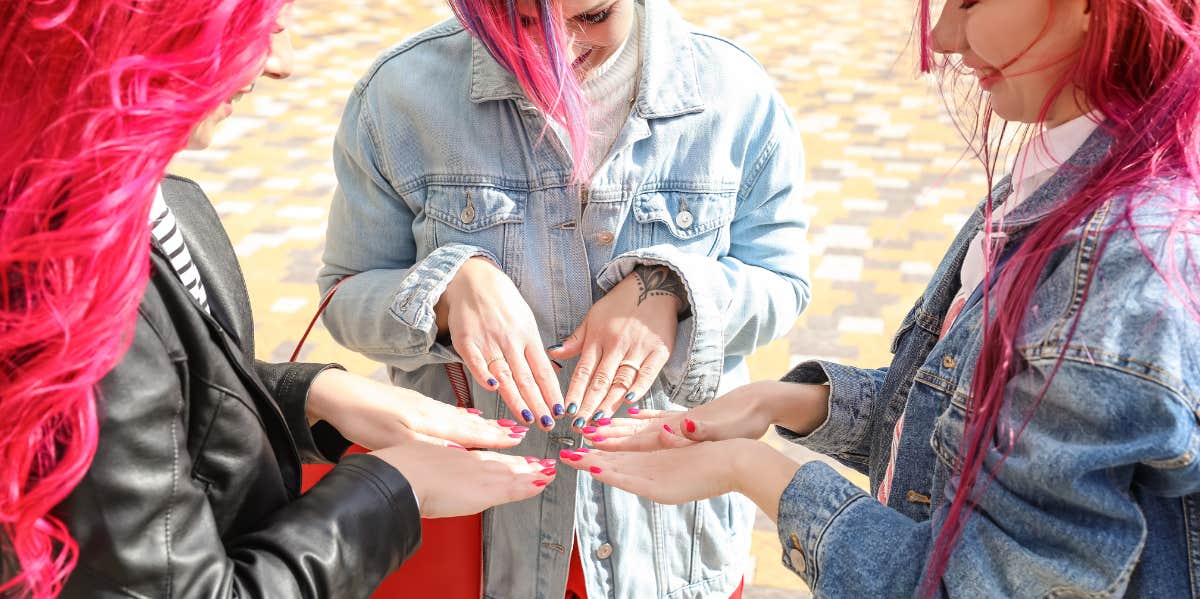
(797, 560)
(684, 219)
(605, 238)
(604, 552)
(467, 216)
(949, 362)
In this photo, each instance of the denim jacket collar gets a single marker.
(669, 84)
(1058, 189)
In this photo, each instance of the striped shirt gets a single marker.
(166, 231)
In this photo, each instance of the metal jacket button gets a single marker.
(605, 238)
(468, 214)
(604, 551)
(684, 219)
(949, 362)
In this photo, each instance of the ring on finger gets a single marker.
(494, 360)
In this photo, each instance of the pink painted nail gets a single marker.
(539, 483)
(505, 422)
(582, 450)
(668, 428)
(597, 438)
(595, 470)
(520, 429)
(530, 460)
(604, 421)
(575, 457)
(566, 454)
(515, 436)
(587, 430)
(549, 471)
(475, 411)
(547, 462)
(689, 425)
(634, 411)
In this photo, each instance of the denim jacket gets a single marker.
(1097, 496)
(440, 157)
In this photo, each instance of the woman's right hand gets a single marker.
(747, 412)
(494, 331)
(452, 482)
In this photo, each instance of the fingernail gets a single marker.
(492, 382)
(516, 436)
(549, 471)
(547, 421)
(689, 425)
(587, 430)
(668, 428)
(558, 365)
(596, 439)
(571, 409)
(565, 454)
(595, 470)
(579, 422)
(558, 409)
(634, 411)
(530, 460)
(629, 396)
(555, 347)
(527, 415)
(540, 483)
(456, 446)
(575, 457)
(505, 422)
(546, 462)
(582, 450)
(519, 429)
(604, 421)
(598, 415)
(475, 411)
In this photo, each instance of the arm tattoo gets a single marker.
(658, 281)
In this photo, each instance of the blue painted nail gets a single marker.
(629, 396)
(557, 364)
(547, 421)
(527, 415)
(555, 347)
(598, 415)
(579, 422)
(493, 382)
(558, 409)
(571, 409)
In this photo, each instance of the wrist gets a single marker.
(762, 473)
(321, 394)
(799, 407)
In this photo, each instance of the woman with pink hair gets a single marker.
(143, 450)
(1037, 433)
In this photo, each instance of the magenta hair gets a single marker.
(96, 98)
(1140, 67)
(535, 50)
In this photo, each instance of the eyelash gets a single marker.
(967, 4)
(594, 18)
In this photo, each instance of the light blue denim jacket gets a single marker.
(1098, 496)
(438, 159)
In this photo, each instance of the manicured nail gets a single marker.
(579, 422)
(689, 425)
(587, 430)
(597, 438)
(540, 483)
(527, 415)
(604, 421)
(595, 470)
(575, 457)
(549, 471)
(557, 365)
(519, 429)
(530, 460)
(475, 411)
(634, 411)
(571, 409)
(456, 446)
(516, 436)
(492, 382)
(582, 450)
(668, 428)
(547, 421)
(505, 422)
(629, 396)
(546, 462)
(598, 415)
(558, 410)
(565, 454)
(555, 347)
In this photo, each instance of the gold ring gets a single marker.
(494, 360)
(630, 364)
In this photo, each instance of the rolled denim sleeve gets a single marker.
(1058, 517)
(385, 307)
(853, 394)
(752, 294)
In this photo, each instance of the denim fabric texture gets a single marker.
(1097, 496)
(440, 157)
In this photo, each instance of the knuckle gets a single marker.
(600, 381)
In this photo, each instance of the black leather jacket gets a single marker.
(195, 490)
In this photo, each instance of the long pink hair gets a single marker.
(95, 99)
(537, 55)
(1140, 67)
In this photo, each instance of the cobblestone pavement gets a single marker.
(886, 188)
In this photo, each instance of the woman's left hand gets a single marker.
(376, 415)
(623, 343)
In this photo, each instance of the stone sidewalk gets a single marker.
(887, 187)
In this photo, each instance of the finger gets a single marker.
(623, 378)
(696, 430)
(571, 346)
(604, 468)
(477, 365)
(535, 410)
(653, 437)
(580, 379)
(507, 387)
(475, 432)
(600, 384)
(647, 414)
(651, 366)
(546, 380)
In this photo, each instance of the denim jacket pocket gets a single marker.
(948, 428)
(485, 217)
(691, 221)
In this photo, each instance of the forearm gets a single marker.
(761, 473)
(798, 407)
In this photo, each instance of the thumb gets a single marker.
(571, 346)
(695, 430)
